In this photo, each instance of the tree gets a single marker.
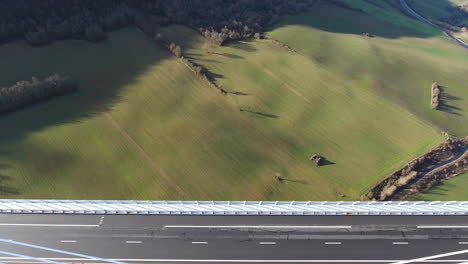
(177, 51)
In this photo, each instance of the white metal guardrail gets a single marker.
(232, 207)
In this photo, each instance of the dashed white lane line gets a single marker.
(199, 242)
(441, 227)
(267, 243)
(68, 241)
(133, 242)
(332, 243)
(463, 243)
(400, 243)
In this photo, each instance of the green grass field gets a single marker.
(451, 190)
(143, 126)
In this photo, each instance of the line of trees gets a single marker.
(40, 22)
(25, 93)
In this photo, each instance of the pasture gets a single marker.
(144, 126)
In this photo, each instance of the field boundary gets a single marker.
(155, 167)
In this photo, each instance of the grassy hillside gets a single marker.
(143, 126)
(400, 62)
(365, 135)
(451, 190)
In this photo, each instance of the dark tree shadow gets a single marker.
(227, 55)
(237, 93)
(341, 17)
(5, 189)
(295, 181)
(259, 113)
(193, 56)
(243, 45)
(326, 162)
(444, 102)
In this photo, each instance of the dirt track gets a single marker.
(157, 169)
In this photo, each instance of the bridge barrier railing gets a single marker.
(10, 206)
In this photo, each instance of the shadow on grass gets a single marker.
(341, 17)
(326, 162)
(102, 72)
(445, 100)
(259, 113)
(5, 188)
(227, 55)
(100, 79)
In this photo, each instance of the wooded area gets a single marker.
(40, 22)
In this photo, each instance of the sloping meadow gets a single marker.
(178, 138)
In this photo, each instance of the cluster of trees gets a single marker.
(458, 15)
(175, 49)
(25, 93)
(435, 96)
(40, 22)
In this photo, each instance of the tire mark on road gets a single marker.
(142, 152)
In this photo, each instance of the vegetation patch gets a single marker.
(448, 160)
(24, 93)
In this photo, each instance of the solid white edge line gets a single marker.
(257, 226)
(442, 227)
(246, 260)
(48, 225)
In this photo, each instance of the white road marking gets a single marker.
(60, 251)
(425, 259)
(436, 227)
(199, 242)
(258, 226)
(5, 259)
(68, 241)
(48, 225)
(332, 243)
(133, 242)
(267, 243)
(400, 243)
(463, 243)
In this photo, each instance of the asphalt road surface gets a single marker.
(232, 239)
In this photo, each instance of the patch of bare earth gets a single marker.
(420, 175)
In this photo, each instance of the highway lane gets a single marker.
(312, 239)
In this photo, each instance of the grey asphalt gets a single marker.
(148, 239)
